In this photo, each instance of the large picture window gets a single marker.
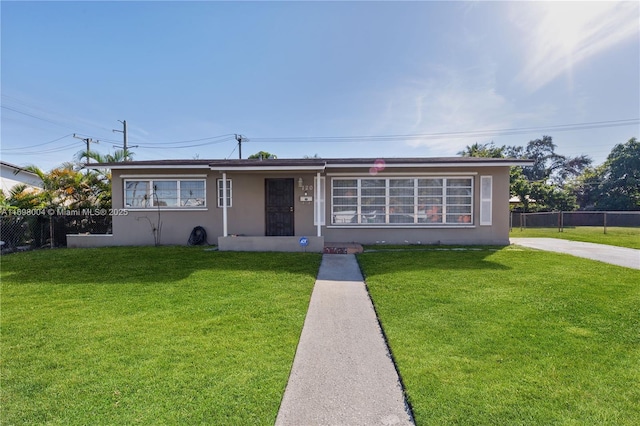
(402, 201)
(150, 193)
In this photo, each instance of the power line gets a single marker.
(452, 135)
(37, 145)
(226, 136)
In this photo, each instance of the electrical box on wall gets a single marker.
(305, 198)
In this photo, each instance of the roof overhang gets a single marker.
(436, 164)
(268, 168)
(317, 165)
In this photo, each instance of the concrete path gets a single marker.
(342, 373)
(620, 256)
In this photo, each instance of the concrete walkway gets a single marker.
(342, 373)
(620, 256)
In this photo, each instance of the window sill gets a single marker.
(168, 209)
(401, 226)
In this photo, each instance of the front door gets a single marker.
(279, 207)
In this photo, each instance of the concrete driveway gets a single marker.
(621, 256)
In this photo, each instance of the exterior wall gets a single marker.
(287, 244)
(136, 227)
(246, 216)
(496, 234)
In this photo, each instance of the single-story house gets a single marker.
(272, 204)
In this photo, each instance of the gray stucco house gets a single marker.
(271, 204)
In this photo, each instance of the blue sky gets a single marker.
(305, 78)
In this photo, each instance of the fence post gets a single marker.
(562, 220)
(559, 222)
(51, 231)
(605, 222)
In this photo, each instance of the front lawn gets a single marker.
(155, 335)
(510, 336)
(615, 236)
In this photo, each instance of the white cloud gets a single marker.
(449, 102)
(557, 36)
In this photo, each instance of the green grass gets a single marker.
(615, 236)
(510, 336)
(149, 335)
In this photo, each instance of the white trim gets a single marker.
(150, 179)
(151, 166)
(401, 226)
(319, 211)
(224, 204)
(427, 165)
(265, 168)
(160, 177)
(167, 209)
(401, 174)
(350, 215)
(229, 189)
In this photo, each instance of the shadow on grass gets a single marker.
(384, 260)
(145, 265)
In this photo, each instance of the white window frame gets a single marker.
(219, 192)
(385, 218)
(151, 200)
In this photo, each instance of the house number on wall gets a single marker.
(307, 188)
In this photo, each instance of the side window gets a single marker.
(221, 192)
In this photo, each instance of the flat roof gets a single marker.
(314, 163)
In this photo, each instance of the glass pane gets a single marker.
(373, 183)
(401, 183)
(394, 192)
(165, 193)
(430, 182)
(344, 214)
(459, 182)
(192, 193)
(462, 218)
(458, 200)
(459, 209)
(137, 194)
(430, 191)
(458, 191)
(345, 192)
(369, 192)
(345, 183)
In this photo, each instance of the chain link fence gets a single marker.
(36, 231)
(561, 220)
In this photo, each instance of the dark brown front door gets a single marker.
(279, 207)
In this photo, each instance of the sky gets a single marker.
(332, 79)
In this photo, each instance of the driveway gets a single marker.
(621, 256)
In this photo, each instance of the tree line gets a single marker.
(554, 182)
(557, 182)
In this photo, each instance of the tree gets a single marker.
(486, 150)
(548, 165)
(616, 184)
(118, 156)
(262, 155)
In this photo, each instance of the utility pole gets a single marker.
(124, 133)
(240, 138)
(88, 141)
